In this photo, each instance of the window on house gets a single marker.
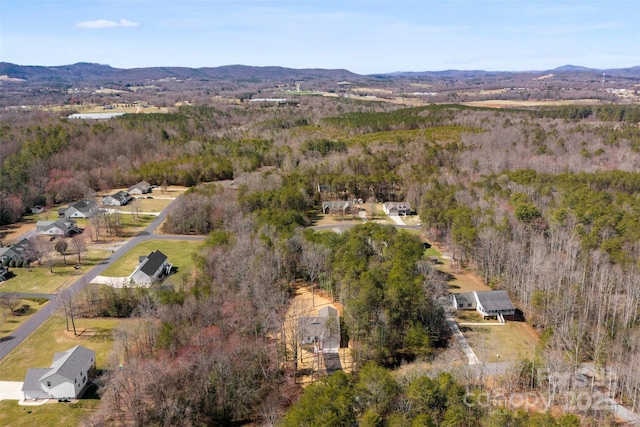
(48, 383)
(84, 380)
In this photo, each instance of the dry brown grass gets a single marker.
(510, 342)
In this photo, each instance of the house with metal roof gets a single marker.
(150, 268)
(66, 378)
(323, 331)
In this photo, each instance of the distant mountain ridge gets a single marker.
(625, 72)
(99, 73)
(84, 72)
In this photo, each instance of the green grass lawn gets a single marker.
(38, 279)
(50, 414)
(179, 253)
(37, 350)
(9, 323)
(432, 251)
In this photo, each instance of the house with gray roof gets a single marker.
(150, 268)
(120, 198)
(397, 208)
(81, 209)
(143, 187)
(336, 207)
(323, 331)
(488, 303)
(23, 251)
(63, 227)
(66, 378)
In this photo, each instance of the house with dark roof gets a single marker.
(81, 209)
(120, 198)
(336, 207)
(397, 208)
(488, 303)
(150, 268)
(21, 251)
(66, 378)
(143, 187)
(63, 227)
(323, 331)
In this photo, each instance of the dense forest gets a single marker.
(541, 202)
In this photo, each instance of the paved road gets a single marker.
(10, 342)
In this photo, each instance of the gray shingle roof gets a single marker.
(495, 300)
(153, 263)
(67, 364)
(465, 298)
(85, 206)
(32, 379)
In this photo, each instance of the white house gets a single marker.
(336, 207)
(120, 198)
(61, 228)
(67, 377)
(143, 187)
(150, 268)
(323, 331)
(397, 208)
(487, 303)
(82, 209)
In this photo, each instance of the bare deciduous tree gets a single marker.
(78, 244)
(10, 301)
(314, 261)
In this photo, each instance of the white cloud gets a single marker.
(105, 23)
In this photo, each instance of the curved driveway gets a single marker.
(10, 342)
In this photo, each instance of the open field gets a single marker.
(9, 323)
(50, 414)
(180, 254)
(38, 279)
(37, 350)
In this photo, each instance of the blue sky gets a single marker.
(363, 36)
